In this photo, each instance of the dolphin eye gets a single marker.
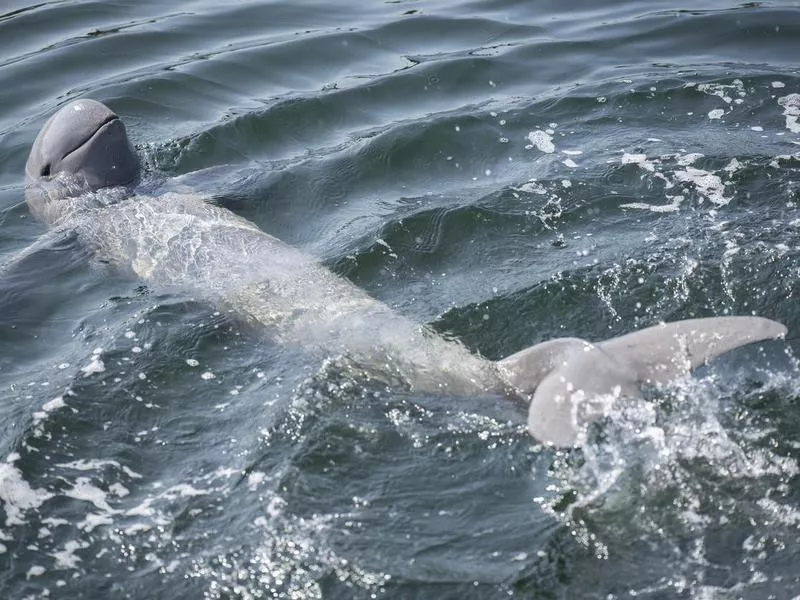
(45, 171)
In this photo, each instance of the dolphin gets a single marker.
(80, 180)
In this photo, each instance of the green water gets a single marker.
(507, 171)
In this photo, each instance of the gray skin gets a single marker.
(79, 179)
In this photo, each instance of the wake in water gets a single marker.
(698, 484)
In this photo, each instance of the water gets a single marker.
(507, 171)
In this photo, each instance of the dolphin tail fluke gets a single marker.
(663, 352)
(571, 382)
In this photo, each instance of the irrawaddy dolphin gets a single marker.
(80, 179)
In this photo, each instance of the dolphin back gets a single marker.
(571, 382)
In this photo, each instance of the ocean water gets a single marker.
(506, 171)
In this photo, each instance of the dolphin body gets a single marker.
(80, 177)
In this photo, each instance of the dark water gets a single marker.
(508, 171)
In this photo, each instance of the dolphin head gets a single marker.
(86, 141)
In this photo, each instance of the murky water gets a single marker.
(507, 171)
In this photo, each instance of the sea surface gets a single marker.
(507, 171)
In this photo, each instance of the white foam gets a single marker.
(130, 473)
(673, 206)
(35, 571)
(85, 491)
(119, 490)
(721, 90)
(93, 520)
(17, 495)
(47, 408)
(95, 365)
(709, 186)
(542, 141)
(637, 159)
(66, 558)
(688, 159)
(184, 490)
(255, 478)
(732, 166)
(145, 509)
(88, 464)
(791, 110)
(532, 187)
(172, 566)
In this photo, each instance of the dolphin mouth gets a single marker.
(103, 126)
(105, 156)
